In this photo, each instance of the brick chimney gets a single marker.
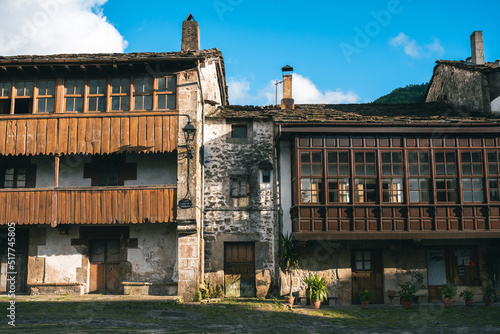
(287, 100)
(190, 35)
(477, 48)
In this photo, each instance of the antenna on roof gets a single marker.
(276, 83)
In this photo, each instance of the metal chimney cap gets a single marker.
(287, 68)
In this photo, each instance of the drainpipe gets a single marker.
(202, 185)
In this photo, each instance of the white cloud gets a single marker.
(304, 92)
(413, 49)
(56, 26)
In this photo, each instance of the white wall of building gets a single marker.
(495, 105)
(153, 169)
(285, 182)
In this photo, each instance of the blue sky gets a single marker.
(341, 51)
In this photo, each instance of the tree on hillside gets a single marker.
(408, 94)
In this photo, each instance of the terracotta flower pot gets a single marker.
(364, 305)
(406, 303)
(315, 305)
(290, 299)
(468, 302)
(448, 302)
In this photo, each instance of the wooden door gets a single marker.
(105, 266)
(436, 273)
(239, 269)
(367, 273)
(19, 253)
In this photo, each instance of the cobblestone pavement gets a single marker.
(149, 314)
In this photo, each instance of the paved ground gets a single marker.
(127, 314)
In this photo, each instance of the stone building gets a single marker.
(472, 84)
(94, 160)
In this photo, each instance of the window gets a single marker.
(338, 177)
(165, 93)
(311, 172)
(419, 177)
(17, 172)
(464, 265)
(266, 176)
(363, 261)
(24, 95)
(238, 131)
(46, 96)
(472, 187)
(74, 95)
(365, 188)
(494, 175)
(110, 170)
(143, 93)
(5, 97)
(97, 95)
(446, 183)
(239, 186)
(120, 94)
(392, 172)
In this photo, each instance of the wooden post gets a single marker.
(56, 171)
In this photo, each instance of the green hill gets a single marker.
(408, 94)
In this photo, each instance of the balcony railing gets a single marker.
(85, 205)
(103, 133)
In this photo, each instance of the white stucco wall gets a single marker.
(155, 258)
(153, 169)
(495, 105)
(61, 259)
(210, 81)
(285, 182)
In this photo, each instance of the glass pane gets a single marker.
(79, 87)
(414, 170)
(148, 85)
(398, 170)
(492, 169)
(477, 169)
(171, 84)
(413, 184)
(494, 195)
(50, 104)
(414, 196)
(492, 157)
(467, 183)
(93, 87)
(424, 157)
(148, 105)
(42, 87)
(69, 103)
(386, 169)
(115, 83)
(332, 170)
(451, 184)
(452, 196)
(21, 184)
(476, 157)
(29, 88)
(386, 157)
(450, 169)
(370, 170)
(305, 170)
(359, 170)
(138, 102)
(344, 169)
(467, 196)
(101, 104)
(115, 103)
(440, 184)
(93, 104)
(41, 105)
(162, 84)
(478, 183)
(125, 105)
(440, 169)
(412, 156)
(441, 196)
(139, 85)
(359, 265)
(368, 265)
(450, 157)
(370, 157)
(396, 157)
(79, 104)
(466, 170)
(359, 256)
(332, 157)
(359, 157)
(124, 86)
(343, 157)
(424, 196)
(424, 183)
(465, 157)
(478, 196)
(161, 102)
(304, 157)
(424, 170)
(171, 102)
(316, 169)
(316, 157)
(439, 157)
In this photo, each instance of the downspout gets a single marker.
(202, 186)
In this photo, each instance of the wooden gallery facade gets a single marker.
(93, 161)
(383, 195)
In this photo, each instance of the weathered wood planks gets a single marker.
(82, 134)
(101, 205)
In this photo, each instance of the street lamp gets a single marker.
(189, 135)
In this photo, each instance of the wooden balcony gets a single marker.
(89, 205)
(369, 222)
(88, 133)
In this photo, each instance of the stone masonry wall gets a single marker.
(239, 219)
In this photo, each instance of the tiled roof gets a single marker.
(109, 57)
(487, 67)
(419, 113)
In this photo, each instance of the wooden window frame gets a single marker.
(239, 126)
(74, 96)
(395, 192)
(364, 179)
(16, 163)
(476, 173)
(241, 186)
(122, 96)
(7, 97)
(157, 93)
(337, 177)
(446, 176)
(124, 170)
(142, 95)
(97, 96)
(417, 174)
(317, 179)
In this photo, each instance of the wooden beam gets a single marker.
(115, 67)
(37, 70)
(56, 171)
(66, 67)
(83, 68)
(21, 69)
(3, 68)
(131, 67)
(99, 68)
(52, 69)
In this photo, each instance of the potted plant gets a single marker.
(316, 290)
(407, 294)
(489, 293)
(468, 296)
(365, 296)
(448, 292)
(289, 260)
